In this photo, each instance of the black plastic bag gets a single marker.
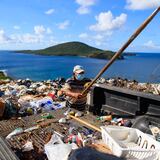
(87, 153)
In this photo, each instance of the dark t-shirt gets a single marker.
(76, 86)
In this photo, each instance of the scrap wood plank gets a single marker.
(85, 123)
(101, 147)
(98, 146)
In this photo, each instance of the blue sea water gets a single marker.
(144, 67)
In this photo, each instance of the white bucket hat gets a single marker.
(78, 69)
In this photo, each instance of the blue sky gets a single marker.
(105, 24)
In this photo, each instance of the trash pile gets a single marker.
(39, 126)
(131, 84)
(25, 97)
(70, 135)
(51, 135)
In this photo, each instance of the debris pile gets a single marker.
(45, 137)
(39, 126)
(132, 85)
(40, 135)
(26, 97)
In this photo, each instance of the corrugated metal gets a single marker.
(7, 126)
(5, 152)
(40, 136)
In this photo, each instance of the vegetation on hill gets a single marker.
(73, 49)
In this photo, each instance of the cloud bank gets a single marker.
(142, 4)
(64, 24)
(85, 6)
(50, 11)
(150, 45)
(38, 36)
(107, 22)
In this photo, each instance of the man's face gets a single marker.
(79, 76)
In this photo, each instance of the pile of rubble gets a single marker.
(37, 125)
(64, 134)
(54, 135)
(26, 97)
(132, 85)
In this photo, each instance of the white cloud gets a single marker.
(16, 27)
(39, 30)
(63, 25)
(49, 31)
(52, 41)
(142, 4)
(37, 37)
(83, 35)
(50, 11)
(106, 22)
(150, 44)
(104, 28)
(85, 6)
(83, 10)
(26, 38)
(86, 2)
(98, 39)
(3, 37)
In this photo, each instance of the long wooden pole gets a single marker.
(118, 53)
(85, 123)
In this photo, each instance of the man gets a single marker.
(74, 87)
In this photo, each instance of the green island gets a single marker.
(73, 49)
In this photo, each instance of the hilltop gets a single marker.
(73, 49)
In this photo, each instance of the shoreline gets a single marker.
(87, 56)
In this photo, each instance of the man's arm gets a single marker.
(70, 93)
(66, 90)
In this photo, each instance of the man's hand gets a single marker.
(69, 93)
(59, 93)
(76, 95)
(62, 92)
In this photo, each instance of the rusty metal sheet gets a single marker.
(5, 151)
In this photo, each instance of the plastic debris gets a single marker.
(28, 146)
(67, 112)
(62, 120)
(131, 84)
(55, 149)
(88, 153)
(105, 118)
(72, 113)
(25, 97)
(47, 116)
(78, 114)
(31, 129)
(130, 142)
(15, 132)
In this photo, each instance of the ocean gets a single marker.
(144, 67)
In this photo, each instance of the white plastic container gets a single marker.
(130, 143)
